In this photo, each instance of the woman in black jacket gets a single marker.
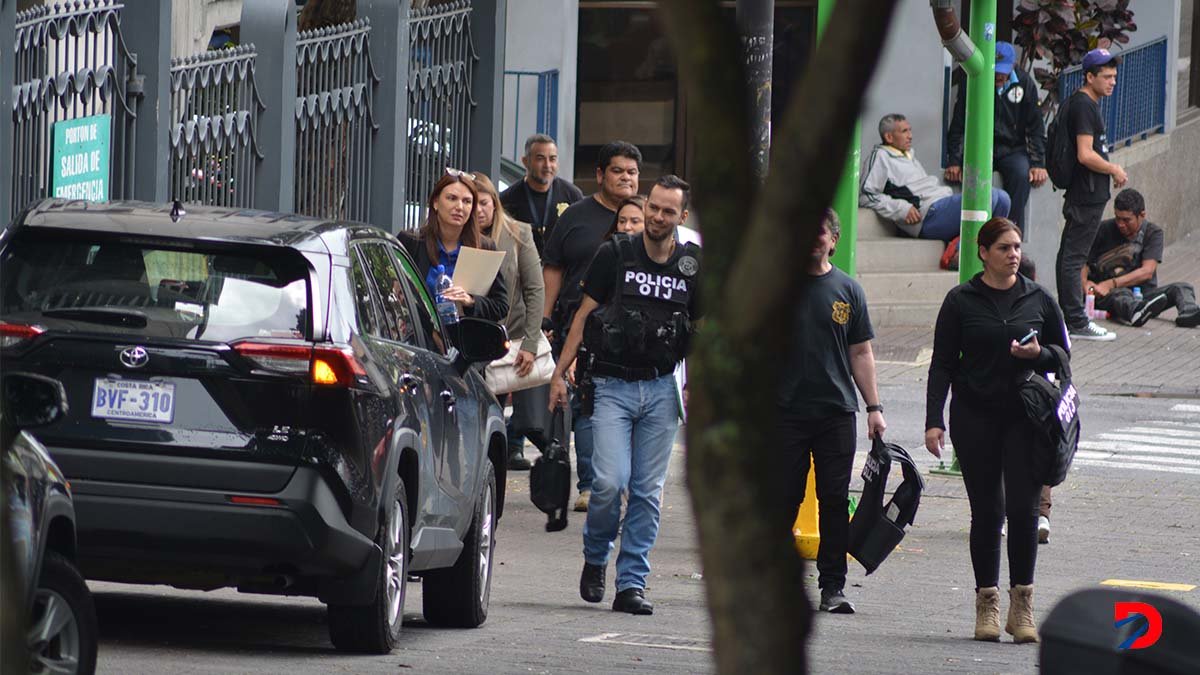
(976, 352)
(450, 225)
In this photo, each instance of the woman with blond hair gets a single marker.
(522, 275)
(449, 226)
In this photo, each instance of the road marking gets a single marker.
(656, 641)
(1113, 446)
(1152, 440)
(1086, 454)
(1139, 465)
(1152, 585)
(1185, 407)
(1155, 430)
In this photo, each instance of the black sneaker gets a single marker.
(1148, 310)
(835, 602)
(1189, 320)
(518, 463)
(591, 583)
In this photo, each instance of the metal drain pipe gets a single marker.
(979, 62)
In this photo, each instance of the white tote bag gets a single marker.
(501, 374)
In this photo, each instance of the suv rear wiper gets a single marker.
(125, 318)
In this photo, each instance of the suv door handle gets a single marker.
(410, 381)
(449, 399)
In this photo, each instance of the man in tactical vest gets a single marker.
(636, 318)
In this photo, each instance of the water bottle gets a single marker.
(1137, 294)
(1090, 305)
(446, 309)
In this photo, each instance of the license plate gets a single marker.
(133, 400)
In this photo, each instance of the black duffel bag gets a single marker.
(1053, 409)
(550, 476)
(876, 529)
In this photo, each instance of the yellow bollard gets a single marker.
(805, 530)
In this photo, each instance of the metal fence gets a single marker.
(1138, 106)
(71, 62)
(544, 86)
(335, 81)
(442, 60)
(214, 114)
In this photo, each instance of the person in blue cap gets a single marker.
(1089, 190)
(1019, 148)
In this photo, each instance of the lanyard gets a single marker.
(539, 224)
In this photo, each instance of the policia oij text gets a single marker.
(634, 323)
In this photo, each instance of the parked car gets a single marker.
(41, 580)
(261, 401)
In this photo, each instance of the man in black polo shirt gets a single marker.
(569, 251)
(541, 197)
(1125, 256)
(829, 355)
(1088, 192)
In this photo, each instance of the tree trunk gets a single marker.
(756, 241)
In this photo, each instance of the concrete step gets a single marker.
(904, 314)
(886, 288)
(899, 254)
(871, 226)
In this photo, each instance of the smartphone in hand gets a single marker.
(1028, 337)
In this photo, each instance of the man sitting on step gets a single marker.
(1125, 256)
(896, 186)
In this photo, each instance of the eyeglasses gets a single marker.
(459, 173)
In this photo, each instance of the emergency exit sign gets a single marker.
(80, 155)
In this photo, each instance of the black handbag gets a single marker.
(550, 476)
(876, 529)
(1053, 409)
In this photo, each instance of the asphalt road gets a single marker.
(915, 612)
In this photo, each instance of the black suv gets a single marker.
(263, 401)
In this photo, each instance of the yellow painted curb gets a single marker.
(1149, 585)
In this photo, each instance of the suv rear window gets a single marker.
(154, 289)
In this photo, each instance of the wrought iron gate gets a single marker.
(335, 81)
(214, 116)
(441, 61)
(71, 61)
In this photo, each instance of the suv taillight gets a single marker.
(334, 366)
(13, 334)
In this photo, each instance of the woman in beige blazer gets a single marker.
(522, 274)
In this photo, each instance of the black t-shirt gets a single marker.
(1108, 237)
(573, 243)
(831, 314)
(530, 206)
(1004, 298)
(1083, 118)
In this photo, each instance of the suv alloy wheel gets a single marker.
(459, 596)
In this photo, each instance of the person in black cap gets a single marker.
(1089, 190)
(1019, 149)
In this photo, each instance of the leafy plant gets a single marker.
(1060, 32)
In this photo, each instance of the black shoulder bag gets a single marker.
(1053, 408)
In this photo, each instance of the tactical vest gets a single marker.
(644, 329)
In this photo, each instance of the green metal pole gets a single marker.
(845, 199)
(980, 123)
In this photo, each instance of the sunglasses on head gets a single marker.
(459, 173)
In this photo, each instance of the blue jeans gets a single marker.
(582, 426)
(944, 219)
(634, 425)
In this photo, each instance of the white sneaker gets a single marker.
(1043, 529)
(1093, 332)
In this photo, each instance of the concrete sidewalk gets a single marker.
(1158, 359)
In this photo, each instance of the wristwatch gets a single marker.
(875, 408)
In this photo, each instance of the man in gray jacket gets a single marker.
(896, 186)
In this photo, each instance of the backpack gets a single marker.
(1053, 408)
(876, 529)
(1060, 149)
(550, 476)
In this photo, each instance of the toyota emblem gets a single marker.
(135, 357)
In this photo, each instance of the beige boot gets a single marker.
(1020, 614)
(987, 614)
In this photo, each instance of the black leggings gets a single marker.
(994, 452)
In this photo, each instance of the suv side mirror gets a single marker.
(479, 340)
(32, 400)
